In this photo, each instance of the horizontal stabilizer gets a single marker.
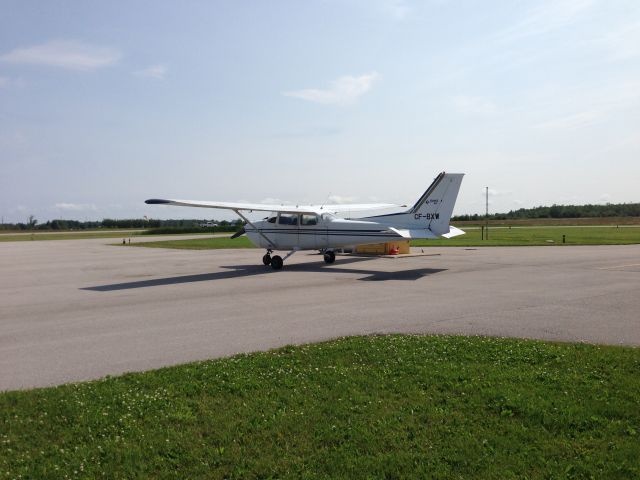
(414, 233)
(453, 232)
(424, 233)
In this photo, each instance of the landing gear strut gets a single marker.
(329, 257)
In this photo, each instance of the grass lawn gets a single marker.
(540, 222)
(362, 407)
(504, 236)
(199, 243)
(498, 236)
(77, 235)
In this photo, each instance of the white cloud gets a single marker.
(623, 42)
(154, 71)
(340, 199)
(343, 91)
(573, 121)
(76, 207)
(496, 193)
(72, 55)
(13, 139)
(474, 105)
(398, 9)
(605, 104)
(272, 201)
(6, 82)
(546, 17)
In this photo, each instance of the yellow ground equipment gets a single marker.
(389, 248)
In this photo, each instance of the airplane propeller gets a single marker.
(239, 233)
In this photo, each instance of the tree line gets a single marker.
(554, 211)
(563, 211)
(111, 223)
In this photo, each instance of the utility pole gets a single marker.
(486, 217)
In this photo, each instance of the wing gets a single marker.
(357, 207)
(260, 207)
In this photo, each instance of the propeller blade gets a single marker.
(239, 233)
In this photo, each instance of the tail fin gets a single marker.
(434, 208)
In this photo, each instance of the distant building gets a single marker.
(208, 224)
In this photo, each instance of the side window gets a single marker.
(288, 219)
(308, 220)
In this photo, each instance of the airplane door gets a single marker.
(322, 238)
(312, 233)
(287, 231)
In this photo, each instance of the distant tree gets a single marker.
(60, 224)
(565, 211)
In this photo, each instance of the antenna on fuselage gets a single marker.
(325, 202)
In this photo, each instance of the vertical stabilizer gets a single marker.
(434, 208)
(431, 213)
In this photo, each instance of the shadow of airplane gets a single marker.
(251, 270)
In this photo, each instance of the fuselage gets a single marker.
(314, 232)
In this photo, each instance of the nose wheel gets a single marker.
(276, 261)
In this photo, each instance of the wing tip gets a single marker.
(157, 201)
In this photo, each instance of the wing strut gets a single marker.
(254, 227)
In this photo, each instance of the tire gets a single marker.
(276, 262)
(329, 257)
(266, 259)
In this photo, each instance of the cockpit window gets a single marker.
(288, 219)
(308, 220)
(271, 220)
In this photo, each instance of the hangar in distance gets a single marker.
(306, 227)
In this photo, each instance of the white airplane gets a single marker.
(307, 227)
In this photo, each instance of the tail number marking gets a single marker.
(428, 216)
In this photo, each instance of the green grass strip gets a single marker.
(362, 407)
(552, 235)
(199, 243)
(8, 237)
(517, 236)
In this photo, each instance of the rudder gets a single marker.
(434, 208)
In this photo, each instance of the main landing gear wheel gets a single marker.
(329, 257)
(266, 259)
(276, 262)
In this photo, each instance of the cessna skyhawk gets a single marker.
(308, 227)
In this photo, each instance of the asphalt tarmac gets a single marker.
(73, 310)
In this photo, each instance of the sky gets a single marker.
(106, 104)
